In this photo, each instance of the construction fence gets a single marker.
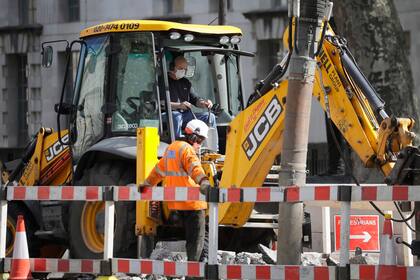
(109, 265)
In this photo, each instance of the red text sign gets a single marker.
(364, 232)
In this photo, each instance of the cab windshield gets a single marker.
(115, 87)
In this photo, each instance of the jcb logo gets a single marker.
(262, 127)
(56, 148)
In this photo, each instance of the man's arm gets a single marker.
(191, 163)
(156, 175)
(199, 102)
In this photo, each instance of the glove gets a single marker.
(204, 186)
(141, 187)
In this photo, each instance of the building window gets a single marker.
(174, 6)
(5, 118)
(22, 79)
(27, 11)
(74, 10)
(268, 55)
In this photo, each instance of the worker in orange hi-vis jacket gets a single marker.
(181, 167)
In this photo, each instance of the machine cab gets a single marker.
(122, 77)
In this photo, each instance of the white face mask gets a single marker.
(179, 73)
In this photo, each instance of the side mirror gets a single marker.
(47, 56)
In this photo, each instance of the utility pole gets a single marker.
(308, 15)
(222, 12)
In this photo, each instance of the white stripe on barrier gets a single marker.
(276, 272)
(61, 265)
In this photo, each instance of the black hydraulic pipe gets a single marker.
(359, 78)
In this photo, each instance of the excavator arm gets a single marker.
(255, 136)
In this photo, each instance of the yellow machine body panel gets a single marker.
(147, 147)
(156, 25)
(254, 139)
(51, 163)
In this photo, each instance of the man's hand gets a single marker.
(205, 103)
(185, 105)
(204, 186)
(141, 187)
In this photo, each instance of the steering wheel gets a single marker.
(144, 105)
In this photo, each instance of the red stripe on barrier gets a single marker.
(263, 194)
(169, 193)
(146, 267)
(322, 193)
(193, 269)
(193, 194)
(43, 193)
(123, 193)
(369, 193)
(67, 193)
(147, 193)
(293, 194)
(92, 193)
(169, 268)
(400, 193)
(262, 272)
(124, 266)
(63, 266)
(291, 272)
(19, 193)
(366, 272)
(234, 272)
(87, 266)
(391, 272)
(40, 265)
(234, 195)
(321, 273)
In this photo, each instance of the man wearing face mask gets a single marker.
(183, 98)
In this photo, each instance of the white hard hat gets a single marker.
(197, 127)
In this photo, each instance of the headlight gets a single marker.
(224, 40)
(188, 37)
(174, 35)
(235, 40)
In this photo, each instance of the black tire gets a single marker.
(106, 173)
(14, 209)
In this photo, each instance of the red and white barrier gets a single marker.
(287, 272)
(167, 268)
(61, 265)
(88, 193)
(308, 192)
(370, 272)
(158, 194)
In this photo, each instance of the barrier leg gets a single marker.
(326, 230)
(108, 240)
(343, 269)
(212, 269)
(3, 232)
(407, 236)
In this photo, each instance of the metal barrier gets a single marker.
(211, 270)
